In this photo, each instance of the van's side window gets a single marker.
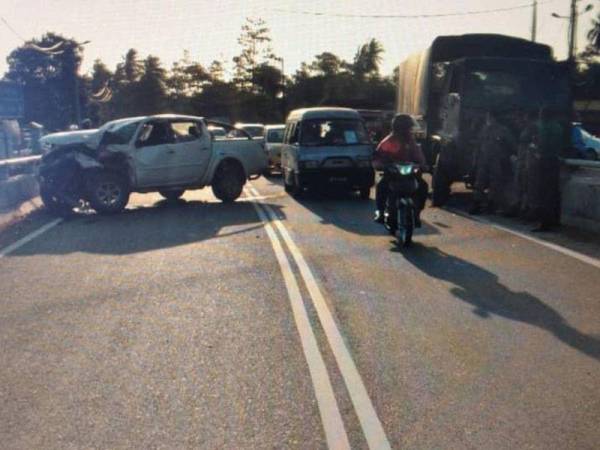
(294, 133)
(286, 133)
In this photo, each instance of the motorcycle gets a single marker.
(399, 216)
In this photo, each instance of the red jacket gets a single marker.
(392, 149)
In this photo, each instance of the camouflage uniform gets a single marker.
(492, 166)
(543, 172)
(525, 140)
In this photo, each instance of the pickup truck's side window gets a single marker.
(156, 133)
(186, 131)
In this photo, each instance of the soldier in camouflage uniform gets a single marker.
(543, 171)
(492, 165)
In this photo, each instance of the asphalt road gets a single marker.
(283, 323)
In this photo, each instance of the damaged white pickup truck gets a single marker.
(164, 153)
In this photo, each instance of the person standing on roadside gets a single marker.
(543, 171)
(526, 137)
(492, 165)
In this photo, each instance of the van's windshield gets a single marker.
(331, 132)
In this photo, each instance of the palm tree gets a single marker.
(368, 59)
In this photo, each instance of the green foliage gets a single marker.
(48, 78)
(594, 37)
(256, 50)
(259, 91)
(368, 59)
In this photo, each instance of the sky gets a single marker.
(209, 29)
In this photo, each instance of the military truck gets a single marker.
(449, 88)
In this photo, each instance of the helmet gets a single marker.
(401, 123)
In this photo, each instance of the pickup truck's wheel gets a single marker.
(108, 192)
(53, 203)
(172, 195)
(228, 181)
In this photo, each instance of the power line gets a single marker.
(408, 16)
(12, 29)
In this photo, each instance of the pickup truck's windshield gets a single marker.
(327, 132)
(124, 131)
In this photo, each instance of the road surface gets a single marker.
(282, 323)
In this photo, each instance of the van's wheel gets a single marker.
(289, 187)
(591, 154)
(172, 195)
(53, 203)
(228, 181)
(440, 185)
(108, 192)
(292, 188)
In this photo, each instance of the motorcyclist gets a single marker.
(399, 146)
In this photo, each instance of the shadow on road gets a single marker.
(481, 289)
(157, 226)
(345, 210)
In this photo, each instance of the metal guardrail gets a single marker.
(582, 163)
(13, 166)
(13, 162)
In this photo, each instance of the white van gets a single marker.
(324, 147)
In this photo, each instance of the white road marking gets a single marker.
(370, 423)
(30, 237)
(565, 251)
(335, 433)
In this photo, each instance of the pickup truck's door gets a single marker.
(154, 156)
(192, 150)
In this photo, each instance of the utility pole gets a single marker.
(534, 21)
(572, 17)
(572, 30)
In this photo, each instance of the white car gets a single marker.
(164, 153)
(587, 144)
(255, 130)
(273, 142)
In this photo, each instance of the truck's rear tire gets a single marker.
(228, 181)
(108, 192)
(172, 195)
(441, 185)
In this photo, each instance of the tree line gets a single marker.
(257, 89)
